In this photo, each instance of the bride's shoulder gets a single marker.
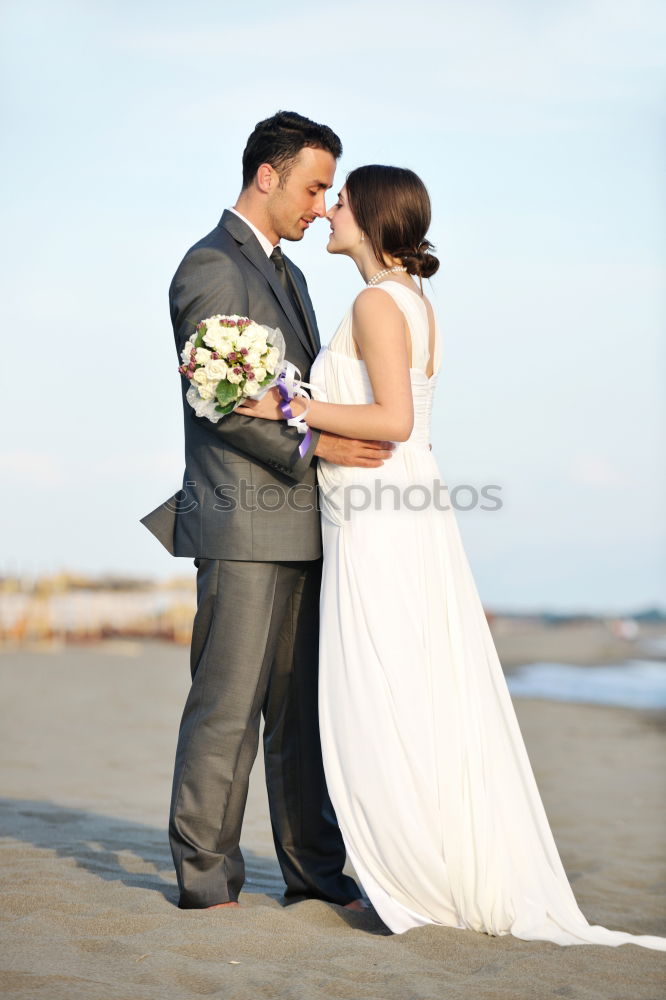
(367, 303)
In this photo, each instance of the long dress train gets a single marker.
(424, 759)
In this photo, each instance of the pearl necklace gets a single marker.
(381, 274)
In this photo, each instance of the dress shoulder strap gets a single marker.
(415, 312)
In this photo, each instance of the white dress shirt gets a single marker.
(263, 240)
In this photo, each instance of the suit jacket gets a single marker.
(247, 493)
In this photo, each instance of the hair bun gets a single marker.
(420, 261)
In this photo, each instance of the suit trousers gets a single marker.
(254, 648)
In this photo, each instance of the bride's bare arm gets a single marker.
(379, 331)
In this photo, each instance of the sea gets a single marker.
(634, 683)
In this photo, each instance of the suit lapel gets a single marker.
(251, 249)
(305, 305)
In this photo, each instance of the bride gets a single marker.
(424, 760)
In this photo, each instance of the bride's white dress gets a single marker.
(424, 759)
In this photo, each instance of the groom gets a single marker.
(247, 514)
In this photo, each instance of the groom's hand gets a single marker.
(349, 451)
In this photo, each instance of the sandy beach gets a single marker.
(89, 895)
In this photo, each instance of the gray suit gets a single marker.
(247, 493)
(247, 514)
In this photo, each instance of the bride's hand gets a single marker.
(266, 407)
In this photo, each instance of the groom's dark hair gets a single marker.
(279, 140)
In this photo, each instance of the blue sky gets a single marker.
(538, 129)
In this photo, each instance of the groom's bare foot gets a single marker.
(218, 906)
(356, 904)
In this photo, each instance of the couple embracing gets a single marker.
(389, 733)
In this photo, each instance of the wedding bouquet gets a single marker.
(228, 358)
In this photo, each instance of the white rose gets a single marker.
(202, 407)
(220, 340)
(216, 370)
(207, 390)
(187, 349)
(214, 337)
(272, 359)
(259, 373)
(199, 376)
(202, 355)
(252, 388)
(255, 334)
(252, 358)
(210, 323)
(227, 343)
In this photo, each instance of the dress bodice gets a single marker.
(338, 376)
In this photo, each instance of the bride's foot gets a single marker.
(356, 904)
(218, 906)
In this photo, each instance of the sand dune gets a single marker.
(89, 893)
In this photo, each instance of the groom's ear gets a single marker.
(266, 177)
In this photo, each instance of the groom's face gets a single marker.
(301, 197)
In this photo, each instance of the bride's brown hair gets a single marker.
(392, 207)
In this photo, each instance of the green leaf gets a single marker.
(269, 378)
(226, 392)
(226, 409)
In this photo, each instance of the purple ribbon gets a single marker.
(288, 414)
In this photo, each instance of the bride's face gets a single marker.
(346, 236)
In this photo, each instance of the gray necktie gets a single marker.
(281, 268)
